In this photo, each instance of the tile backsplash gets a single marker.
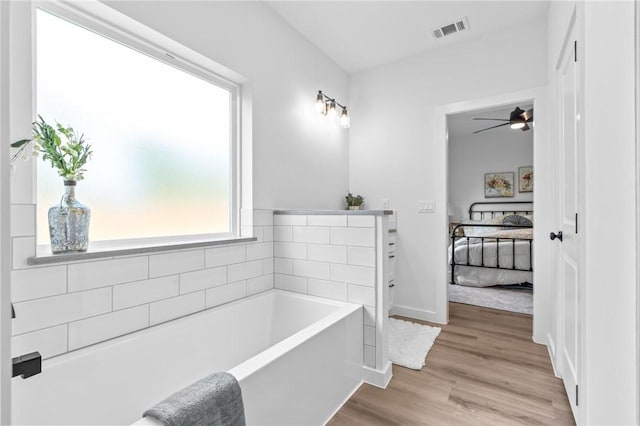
(331, 256)
(65, 307)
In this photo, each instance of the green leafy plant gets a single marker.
(67, 151)
(354, 200)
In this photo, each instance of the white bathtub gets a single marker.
(297, 358)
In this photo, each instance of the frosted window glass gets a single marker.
(160, 137)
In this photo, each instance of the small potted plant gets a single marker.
(68, 152)
(354, 202)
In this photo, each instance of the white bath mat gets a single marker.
(409, 342)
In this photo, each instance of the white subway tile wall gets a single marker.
(291, 220)
(220, 256)
(260, 284)
(67, 306)
(96, 329)
(88, 275)
(291, 283)
(23, 248)
(311, 269)
(369, 356)
(36, 283)
(363, 237)
(164, 264)
(203, 279)
(35, 314)
(282, 233)
(147, 291)
(23, 220)
(48, 341)
(176, 307)
(327, 220)
(283, 266)
(327, 289)
(330, 256)
(327, 253)
(308, 234)
(226, 293)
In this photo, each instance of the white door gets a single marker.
(570, 278)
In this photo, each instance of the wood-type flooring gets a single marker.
(483, 369)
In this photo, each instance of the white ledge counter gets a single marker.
(336, 212)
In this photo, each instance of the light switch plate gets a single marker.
(426, 206)
(385, 203)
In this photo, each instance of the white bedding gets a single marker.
(484, 277)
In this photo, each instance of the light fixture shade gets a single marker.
(344, 119)
(320, 105)
(331, 112)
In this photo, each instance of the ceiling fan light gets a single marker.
(515, 119)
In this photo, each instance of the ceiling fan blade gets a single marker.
(494, 119)
(527, 116)
(492, 127)
(525, 128)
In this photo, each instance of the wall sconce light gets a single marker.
(329, 107)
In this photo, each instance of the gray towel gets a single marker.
(215, 400)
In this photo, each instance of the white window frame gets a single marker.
(102, 20)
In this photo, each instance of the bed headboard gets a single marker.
(489, 209)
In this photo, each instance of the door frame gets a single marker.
(543, 310)
(5, 240)
(637, 137)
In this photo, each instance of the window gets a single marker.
(162, 136)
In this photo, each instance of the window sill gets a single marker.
(44, 256)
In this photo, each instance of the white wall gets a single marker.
(300, 159)
(392, 138)
(471, 156)
(610, 356)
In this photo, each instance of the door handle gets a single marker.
(553, 236)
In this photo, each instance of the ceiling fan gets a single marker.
(518, 119)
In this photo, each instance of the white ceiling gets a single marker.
(463, 124)
(362, 34)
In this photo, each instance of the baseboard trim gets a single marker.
(421, 314)
(378, 378)
(551, 348)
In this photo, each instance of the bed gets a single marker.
(494, 246)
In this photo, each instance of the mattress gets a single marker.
(477, 253)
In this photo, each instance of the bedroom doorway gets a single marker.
(490, 207)
(544, 198)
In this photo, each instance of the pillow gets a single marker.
(515, 219)
(478, 231)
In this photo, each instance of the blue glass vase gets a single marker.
(69, 222)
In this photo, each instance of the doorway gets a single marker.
(543, 200)
(491, 176)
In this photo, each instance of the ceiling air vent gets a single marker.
(455, 27)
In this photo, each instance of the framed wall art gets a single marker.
(498, 185)
(525, 179)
